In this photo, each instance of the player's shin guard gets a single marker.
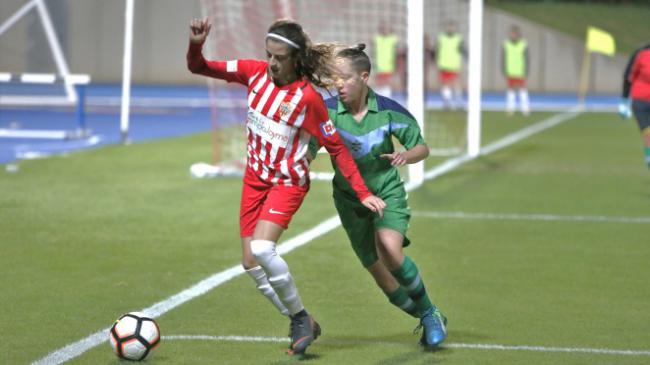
(409, 277)
(278, 274)
(401, 300)
(263, 285)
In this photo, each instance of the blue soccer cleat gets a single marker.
(435, 331)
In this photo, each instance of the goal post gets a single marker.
(25, 85)
(52, 40)
(474, 78)
(415, 59)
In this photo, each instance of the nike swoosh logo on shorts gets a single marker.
(273, 211)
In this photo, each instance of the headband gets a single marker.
(283, 39)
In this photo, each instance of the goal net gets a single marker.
(239, 28)
(34, 71)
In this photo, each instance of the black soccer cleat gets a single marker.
(303, 331)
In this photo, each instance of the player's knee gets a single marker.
(249, 262)
(262, 250)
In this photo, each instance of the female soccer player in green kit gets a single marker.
(368, 122)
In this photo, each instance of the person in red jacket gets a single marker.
(636, 86)
(284, 111)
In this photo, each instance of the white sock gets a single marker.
(384, 91)
(458, 97)
(262, 283)
(446, 95)
(523, 101)
(510, 101)
(278, 274)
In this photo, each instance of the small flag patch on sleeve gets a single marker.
(327, 128)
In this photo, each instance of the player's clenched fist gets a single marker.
(199, 29)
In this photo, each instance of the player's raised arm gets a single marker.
(199, 30)
(232, 71)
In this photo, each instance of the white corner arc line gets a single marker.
(473, 346)
(77, 348)
(531, 217)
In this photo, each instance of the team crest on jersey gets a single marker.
(327, 128)
(285, 109)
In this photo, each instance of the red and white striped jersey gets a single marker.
(280, 123)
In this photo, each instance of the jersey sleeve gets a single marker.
(239, 71)
(318, 124)
(406, 129)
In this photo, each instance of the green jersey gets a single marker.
(370, 138)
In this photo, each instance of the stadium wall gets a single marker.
(555, 58)
(92, 33)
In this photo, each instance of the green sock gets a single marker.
(646, 151)
(401, 300)
(408, 276)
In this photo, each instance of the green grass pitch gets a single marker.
(88, 237)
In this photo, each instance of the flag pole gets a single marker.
(584, 76)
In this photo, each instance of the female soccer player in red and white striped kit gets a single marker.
(284, 111)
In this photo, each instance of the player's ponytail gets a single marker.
(357, 57)
(314, 61)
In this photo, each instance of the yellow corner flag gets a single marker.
(600, 41)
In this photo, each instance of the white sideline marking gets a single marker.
(532, 217)
(79, 347)
(38, 78)
(473, 346)
(225, 338)
(34, 133)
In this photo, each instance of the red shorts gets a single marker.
(261, 200)
(447, 76)
(384, 78)
(516, 83)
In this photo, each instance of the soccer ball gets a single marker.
(134, 335)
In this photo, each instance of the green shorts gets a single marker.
(360, 223)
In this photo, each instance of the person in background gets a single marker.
(385, 56)
(449, 54)
(636, 94)
(515, 65)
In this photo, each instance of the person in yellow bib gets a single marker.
(385, 58)
(449, 54)
(514, 65)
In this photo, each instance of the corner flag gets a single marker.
(600, 41)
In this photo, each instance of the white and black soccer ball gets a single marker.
(134, 335)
